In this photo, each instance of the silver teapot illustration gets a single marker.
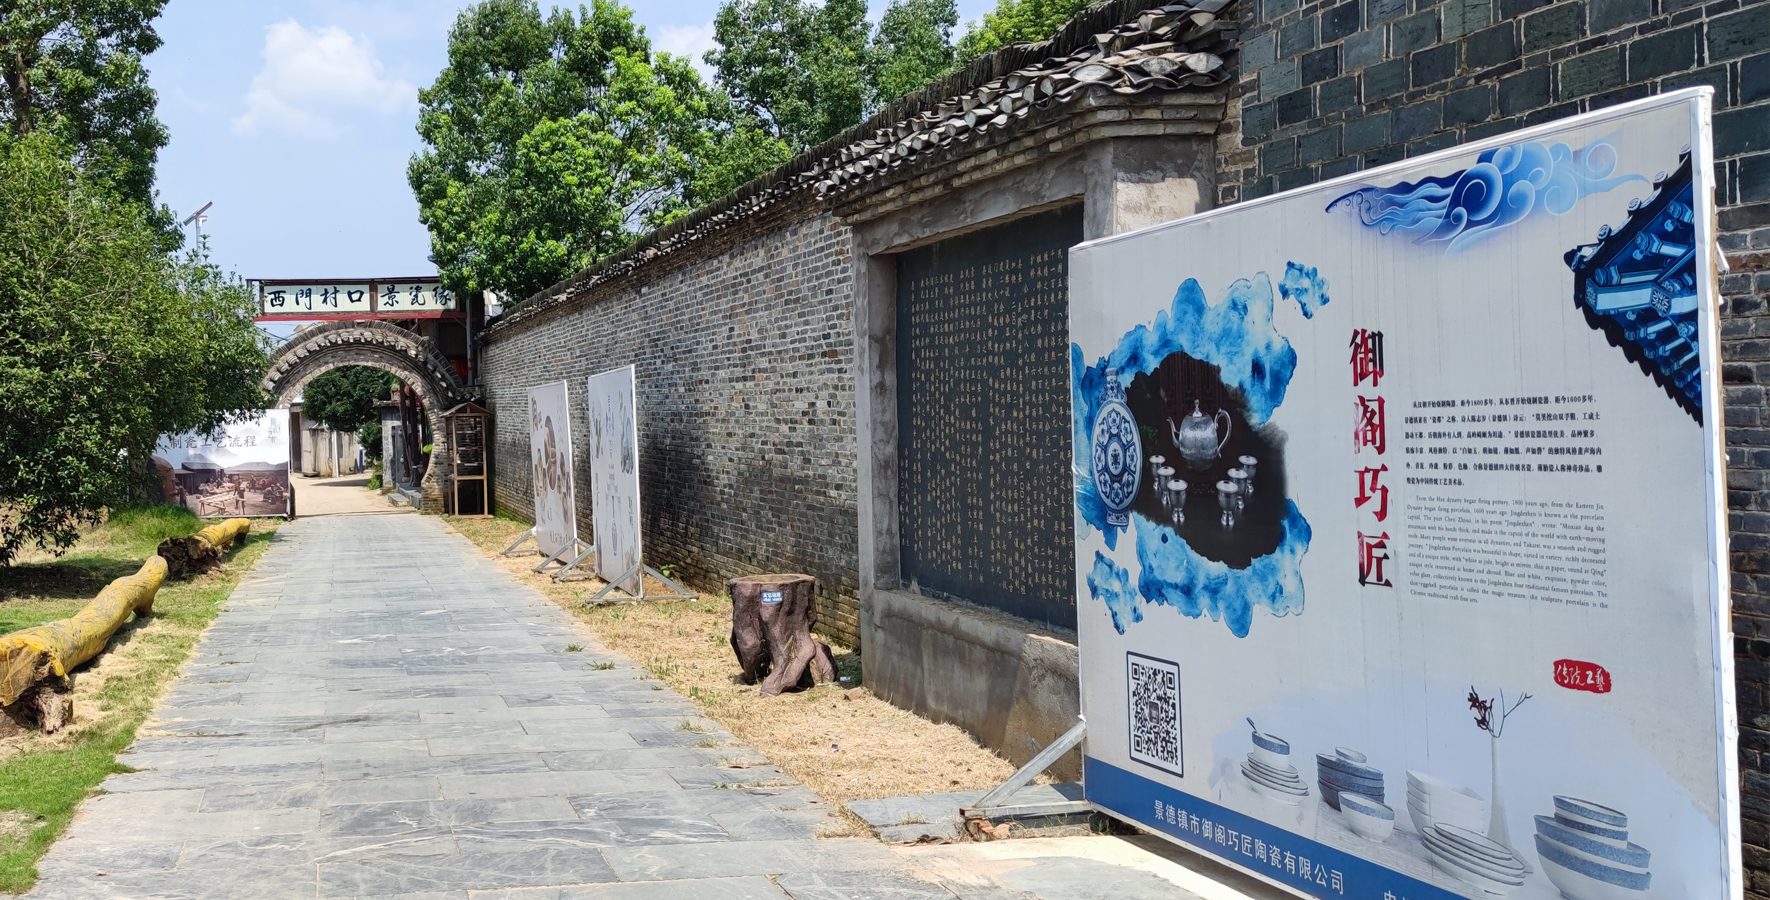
(1196, 436)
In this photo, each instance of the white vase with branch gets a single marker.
(1490, 716)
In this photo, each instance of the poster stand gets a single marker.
(995, 805)
(568, 569)
(584, 551)
(641, 570)
(520, 540)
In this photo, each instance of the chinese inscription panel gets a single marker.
(983, 374)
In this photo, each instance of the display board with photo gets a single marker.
(550, 451)
(614, 477)
(240, 469)
(1400, 542)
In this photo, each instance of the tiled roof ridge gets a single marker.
(1123, 46)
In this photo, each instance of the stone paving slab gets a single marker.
(380, 712)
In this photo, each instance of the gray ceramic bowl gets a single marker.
(1349, 768)
(1614, 835)
(1555, 858)
(1628, 855)
(1274, 744)
(1367, 806)
(1587, 810)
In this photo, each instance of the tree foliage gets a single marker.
(794, 65)
(1015, 22)
(554, 140)
(73, 69)
(911, 47)
(344, 399)
(106, 342)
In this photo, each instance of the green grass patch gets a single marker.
(43, 778)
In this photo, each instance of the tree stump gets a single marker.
(48, 706)
(198, 553)
(771, 620)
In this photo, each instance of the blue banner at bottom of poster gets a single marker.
(1288, 859)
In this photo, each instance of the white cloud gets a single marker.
(686, 40)
(311, 74)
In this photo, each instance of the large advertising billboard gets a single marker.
(1400, 538)
(550, 449)
(240, 469)
(614, 477)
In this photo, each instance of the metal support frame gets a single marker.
(585, 552)
(511, 550)
(578, 548)
(994, 805)
(642, 570)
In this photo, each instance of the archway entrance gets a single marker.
(414, 359)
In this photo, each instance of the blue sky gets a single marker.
(296, 118)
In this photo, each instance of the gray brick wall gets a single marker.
(746, 401)
(1329, 88)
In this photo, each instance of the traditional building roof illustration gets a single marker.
(1637, 284)
(1114, 48)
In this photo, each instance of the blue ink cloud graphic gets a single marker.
(1173, 575)
(1304, 285)
(1110, 583)
(1237, 336)
(1505, 186)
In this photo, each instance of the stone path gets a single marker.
(381, 712)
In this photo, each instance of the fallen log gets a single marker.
(37, 664)
(771, 621)
(198, 553)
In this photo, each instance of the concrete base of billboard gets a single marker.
(1007, 681)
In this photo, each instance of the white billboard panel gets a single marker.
(1400, 538)
(550, 451)
(614, 477)
(240, 469)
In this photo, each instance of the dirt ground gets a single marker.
(343, 495)
(842, 742)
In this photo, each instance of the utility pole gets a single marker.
(199, 218)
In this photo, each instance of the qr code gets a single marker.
(1153, 686)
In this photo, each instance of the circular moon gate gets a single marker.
(413, 358)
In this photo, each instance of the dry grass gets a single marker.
(845, 744)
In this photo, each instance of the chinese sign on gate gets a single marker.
(1400, 538)
(410, 298)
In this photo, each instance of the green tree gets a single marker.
(1016, 22)
(793, 65)
(736, 148)
(344, 400)
(106, 343)
(73, 69)
(911, 47)
(552, 141)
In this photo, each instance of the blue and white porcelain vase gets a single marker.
(1117, 452)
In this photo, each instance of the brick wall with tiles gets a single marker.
(1333, 87)
(745, 356)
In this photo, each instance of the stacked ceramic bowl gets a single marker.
(1346, 772)
(1269, 771)
(1431, 801)
(1586, 852)
(1369, 819)
(1471, 858)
